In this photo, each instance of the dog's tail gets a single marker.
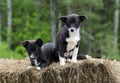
(82, 57)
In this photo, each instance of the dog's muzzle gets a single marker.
(72, 29)
(32, 57)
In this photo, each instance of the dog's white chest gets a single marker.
(72, 40)
(36, 63)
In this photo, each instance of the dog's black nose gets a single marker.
(72, 30)
(32, 58)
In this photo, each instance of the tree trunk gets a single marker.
(59, 23)
(9, 22)
(116, 24)
(53, 19)
(0, 21)
(37, 5)
(69, 10)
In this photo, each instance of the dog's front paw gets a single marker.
(38, 68)
(62, 60)
(29, 67)
(62, 63)
(68, 60)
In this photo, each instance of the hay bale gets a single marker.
(85, 71)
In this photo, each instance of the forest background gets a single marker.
(31, 19)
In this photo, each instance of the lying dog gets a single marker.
(67, 40)
(41, 55)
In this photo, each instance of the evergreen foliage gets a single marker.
(31, 20)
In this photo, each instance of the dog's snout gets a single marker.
(32, 57)
(72, 30)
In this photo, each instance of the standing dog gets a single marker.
(68, 37)
(41, 55)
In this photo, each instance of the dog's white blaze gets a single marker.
(74, 57)
(73, 39)
(32, 56)
(62, 60)
(71, 29)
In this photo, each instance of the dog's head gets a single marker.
(72, 21)
(33, 48)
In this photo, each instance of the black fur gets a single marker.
(44, 54)
(70, 21)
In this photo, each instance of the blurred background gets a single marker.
(31, 19)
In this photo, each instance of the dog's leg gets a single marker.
(37, 65)
(75, 53)
(61, 55)
(62, 60)
(74, 56)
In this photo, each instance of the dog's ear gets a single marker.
(39, 42)
(82, 18)
(25, 43)
(63, 19)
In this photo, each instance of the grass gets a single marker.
(7, 53)
(112, 57)
(9, 56)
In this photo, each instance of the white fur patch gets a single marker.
(36, 63)
(74, 57)
(32, 56)
(72, 42)
(73, 39)
(88, 57)
(38, 68)
(62, 60)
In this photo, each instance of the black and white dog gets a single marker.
(41, 55)
(67, 40)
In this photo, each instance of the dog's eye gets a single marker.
(32, 49)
